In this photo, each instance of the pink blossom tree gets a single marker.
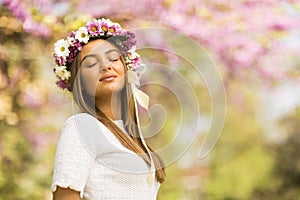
(247, 38)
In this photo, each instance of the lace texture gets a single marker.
(99, 166)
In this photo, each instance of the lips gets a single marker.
(107, 77)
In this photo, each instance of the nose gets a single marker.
(106, 66)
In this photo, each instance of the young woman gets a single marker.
(101, 153)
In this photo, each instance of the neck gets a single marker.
(111, 106)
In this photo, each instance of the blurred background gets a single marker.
(255, 45)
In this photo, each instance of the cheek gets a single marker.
(120, 68)
(89, 80)
(121, 72)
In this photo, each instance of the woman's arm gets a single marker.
(72, 163)
(65, 194)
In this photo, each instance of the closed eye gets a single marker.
(114, 59)
(90, 61)
(113, 56)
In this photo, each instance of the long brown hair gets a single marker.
(132, 140)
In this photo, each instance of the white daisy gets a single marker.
(59, 70)
(70, 40)
(62, 72)
(82, 35)
(67, 75)
(62, 48)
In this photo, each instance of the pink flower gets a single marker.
(111, 30)
(104, 26)
(114, 29)
(136, 62)
(63, 85)
(94, 28)
(67, 49)
(59, 60)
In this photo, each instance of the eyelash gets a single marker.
(89, 66)
(112, 60)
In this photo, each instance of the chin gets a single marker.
(108, 91)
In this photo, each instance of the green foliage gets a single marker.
(172, 188)
(15, 159)
(240, 162)
(239, 176)
(243, 164)
(285, 183)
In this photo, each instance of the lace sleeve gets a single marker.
(72, 161)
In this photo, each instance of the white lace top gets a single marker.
(91, 160)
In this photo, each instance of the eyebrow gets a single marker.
(93, 55)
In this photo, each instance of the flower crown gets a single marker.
(67, 49)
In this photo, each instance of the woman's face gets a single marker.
(102, 71)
